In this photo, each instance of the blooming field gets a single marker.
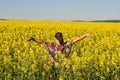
(91, 59)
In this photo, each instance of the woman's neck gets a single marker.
(58, 43)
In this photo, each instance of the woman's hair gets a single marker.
(59, 37)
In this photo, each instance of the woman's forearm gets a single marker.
(82, 37)
(79, 38)
(35, 40)
(38, 41)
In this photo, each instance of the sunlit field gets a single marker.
(95, 58)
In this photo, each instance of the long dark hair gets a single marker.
(59, 37)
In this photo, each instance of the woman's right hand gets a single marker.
(90, 35)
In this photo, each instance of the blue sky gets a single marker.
(60, 9)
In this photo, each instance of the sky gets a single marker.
(60, 9)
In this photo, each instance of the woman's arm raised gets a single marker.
(89, 35)
(35, 40)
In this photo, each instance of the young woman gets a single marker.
(60, 45)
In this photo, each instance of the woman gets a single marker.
(60, 45)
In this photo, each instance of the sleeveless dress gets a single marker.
(52, 48)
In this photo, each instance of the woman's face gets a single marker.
(59, 38)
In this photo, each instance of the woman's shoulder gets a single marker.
(68, 43)
(50, 43)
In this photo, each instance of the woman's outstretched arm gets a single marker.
(82, 37)
(35, 40)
